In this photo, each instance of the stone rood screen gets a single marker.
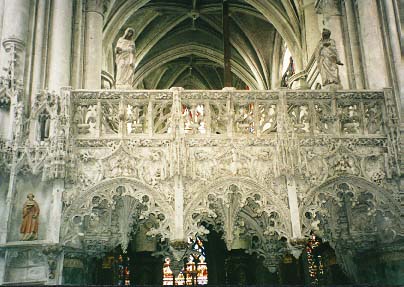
(285, 121)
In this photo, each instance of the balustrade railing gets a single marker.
(165, 113)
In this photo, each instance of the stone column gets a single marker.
(2, 4)
(38, 71)
(372, 45)
(78, 40)
(93, 44)
(60, 44)
(14, 34)
(53, 229)
(394, 38)
(276, 62)
(354, 44)
(312, 31)
(293, 207)
(179, 209)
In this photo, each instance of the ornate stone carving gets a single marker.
(107, 214)
(350, 209)
(52, 254)
(121, 155)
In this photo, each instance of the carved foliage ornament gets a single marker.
(242, 211)
(351, 208)
(107, 215)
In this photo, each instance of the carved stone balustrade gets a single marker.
(223, 114)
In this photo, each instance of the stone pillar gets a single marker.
(394, 38)
(93, 44)
(2, 4)
(293, 207)
(179, 209)
(60, 44)
(14, 34)
(38, 72)
(354, 45)
(372, 45)
(53, 229)
(276, 62)
(312, 31)
(77, 53)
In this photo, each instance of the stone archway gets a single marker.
(104, 216)
(353, 215)
(250, 217)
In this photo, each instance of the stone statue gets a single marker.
(290, 71)
(328, 61)
(125, 59)
(30, 222)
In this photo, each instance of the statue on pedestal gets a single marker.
(328, 61)
(125, 60)
(30, 221)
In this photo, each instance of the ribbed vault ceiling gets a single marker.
(180, 42)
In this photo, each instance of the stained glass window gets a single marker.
(123, 270)
(314, 260)
(195, 270)
(167, 273)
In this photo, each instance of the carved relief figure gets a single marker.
(30, 222)
(125, 59)
(328, 60)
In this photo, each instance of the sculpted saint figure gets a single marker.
(125, 59)
(328, 60)
(30, 221)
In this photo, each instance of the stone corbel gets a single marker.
(52, 254)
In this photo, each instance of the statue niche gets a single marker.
(44, 125)
(30, 221)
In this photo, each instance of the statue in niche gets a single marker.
(125, 59)
(328, 61)
(44, 126)
(30, 221)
